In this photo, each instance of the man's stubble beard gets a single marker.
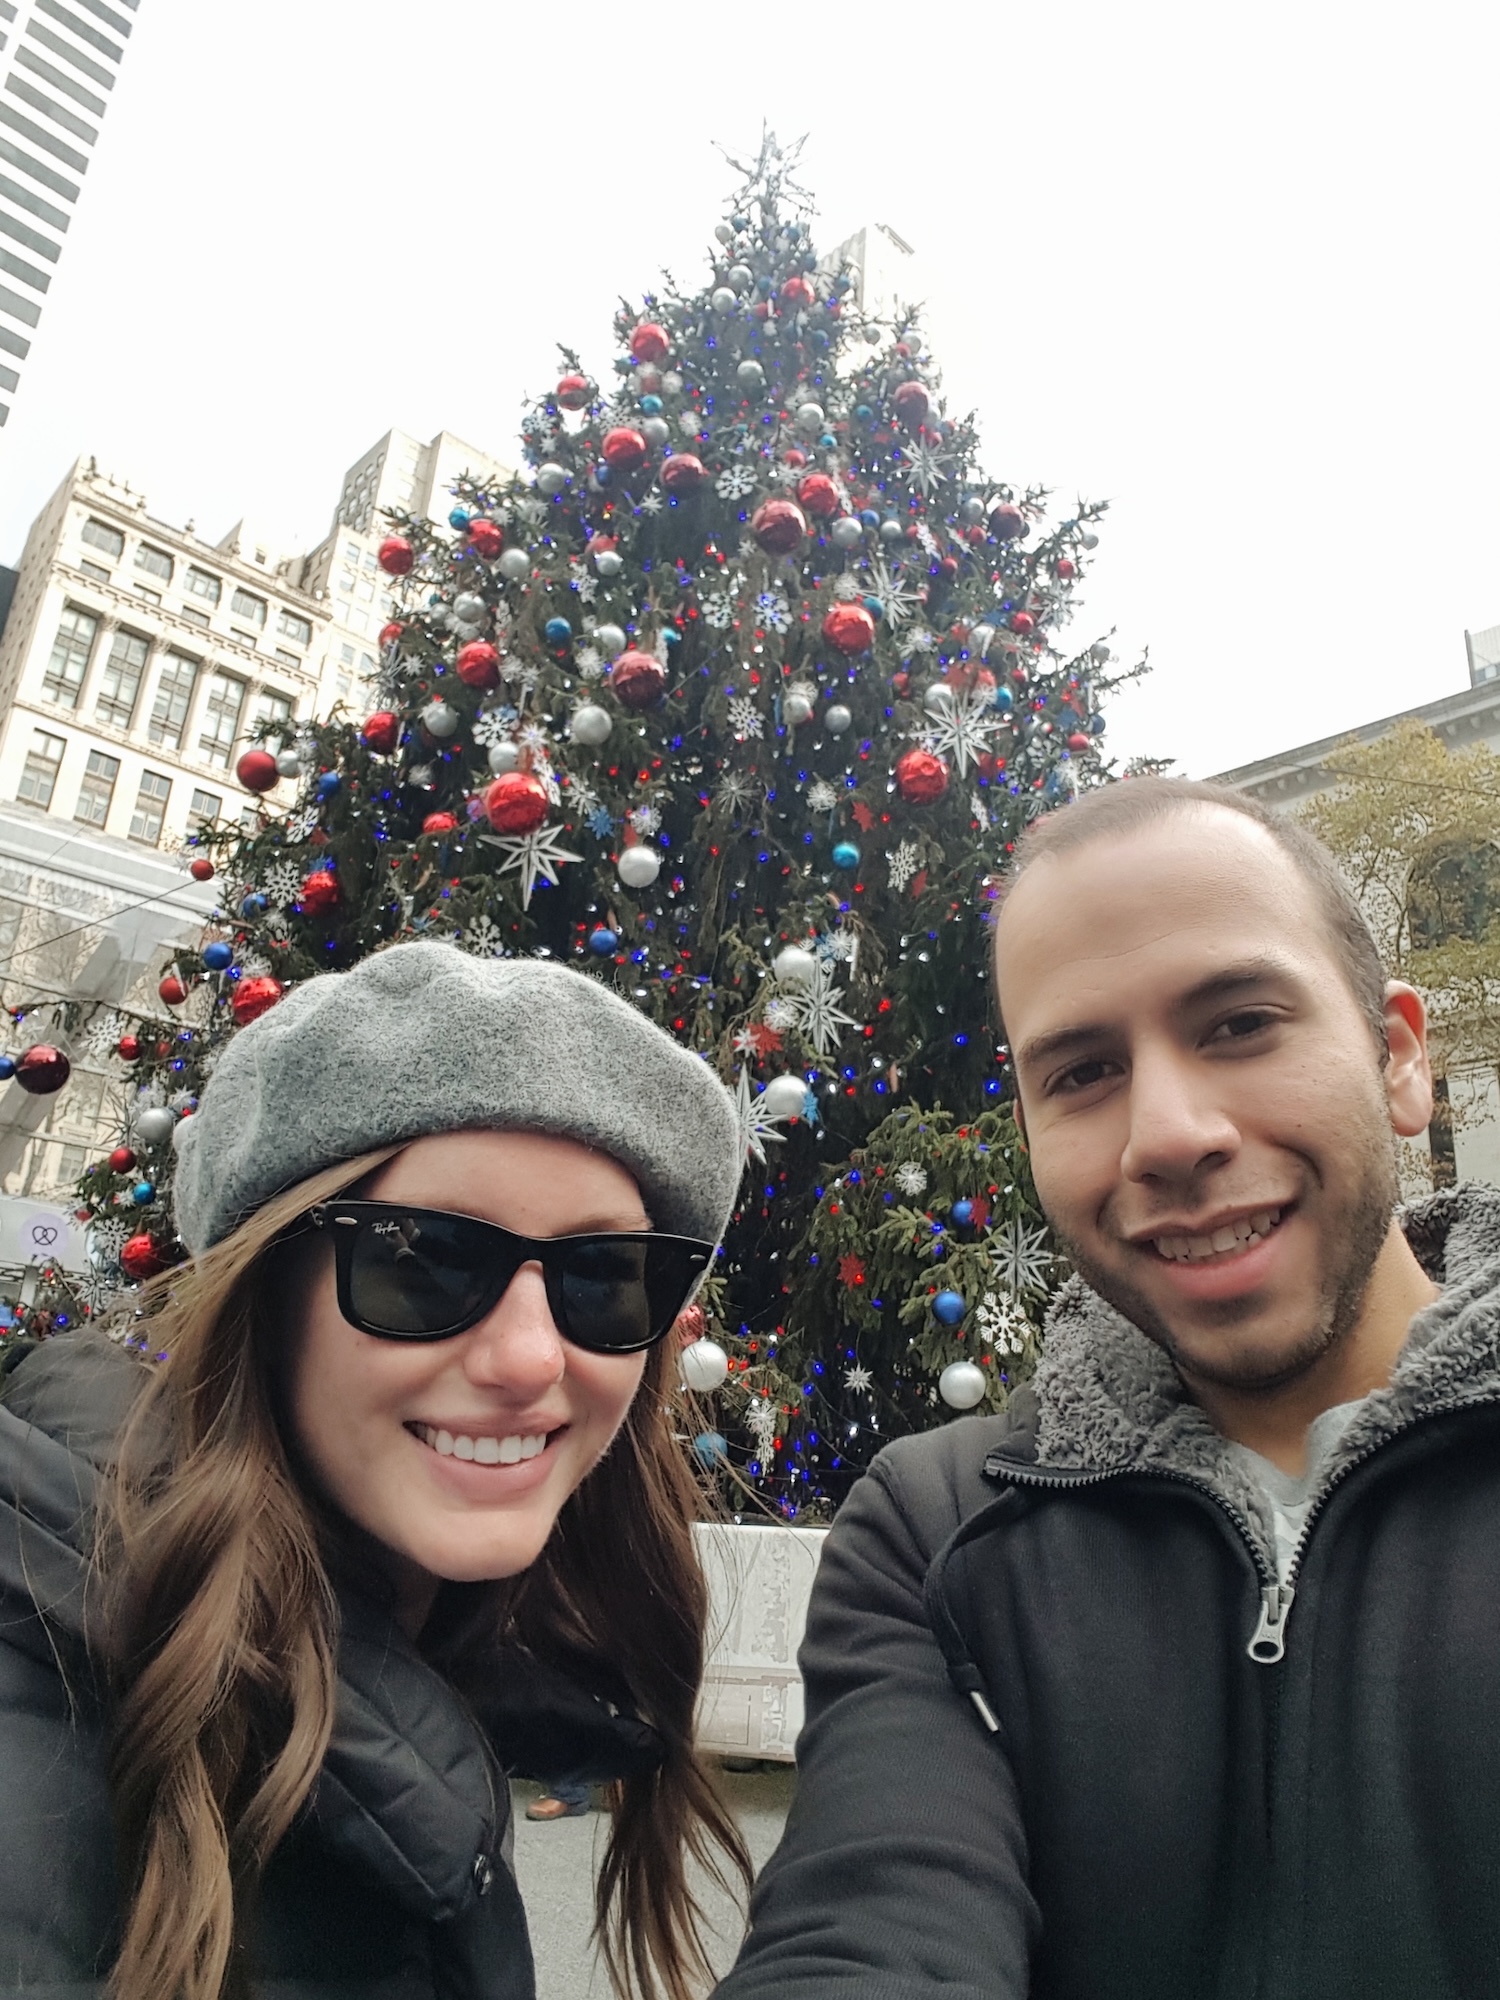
(1360, 1233)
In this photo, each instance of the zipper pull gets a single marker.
(1268, 1640)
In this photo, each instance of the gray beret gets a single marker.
(424, 1038)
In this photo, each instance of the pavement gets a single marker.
(556, 1862)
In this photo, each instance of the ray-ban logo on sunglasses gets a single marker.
(388, 1228)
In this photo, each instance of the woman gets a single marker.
(275, 1607)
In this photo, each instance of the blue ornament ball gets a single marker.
(710, 1449)
(254, 905)
(218, 956)
(963, 1212)
(143, 1194)
(459, 519)
(672, 636)
(869, 518)
(1003, 698)
(603, 941)
(7, 1068)
(846, 855)
(328, 784)
(948, 1308)
(651, 406)
(557, 631)
(1096, 725)
(874, 606)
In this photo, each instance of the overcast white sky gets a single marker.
(1233, 268)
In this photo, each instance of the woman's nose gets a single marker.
(517, 1346)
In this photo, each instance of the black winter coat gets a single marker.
(393, 1885)
(1040, 1757)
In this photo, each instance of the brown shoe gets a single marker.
(550, 1808)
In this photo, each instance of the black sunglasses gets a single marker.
(426, 1274)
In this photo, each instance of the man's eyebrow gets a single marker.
(1224, 984)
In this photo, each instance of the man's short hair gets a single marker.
(1114, 810)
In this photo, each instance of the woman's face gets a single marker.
(369, 1415)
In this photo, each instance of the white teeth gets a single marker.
(486, 1450)
(1231, 1236)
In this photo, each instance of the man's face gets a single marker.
(1208, 1120)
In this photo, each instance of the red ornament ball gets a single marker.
(1079, 741)
(42, 1070)
(638, 679)
(172, 990)
(574, 392)
(649, 342)
(819, 496)
(439, 823)
(691, 1324)
(921, 777)
(389, 634)
(201, 869)
(254, 997)
(797, 291)
(624, 449)
(486, 538)
(382, 731)
(1022, 622)
(949, 567)
(257, 771)
(395, 555)
(794, 456)
(319, 893)
(849, 628)
(779, 526)
(140, 1259)
(121, 1160)
(1065, 569)
(127, 1048)
(602, 545)
(683, 473)
(516, 803)
(479, 664)
(911, 403)
(1007, 523)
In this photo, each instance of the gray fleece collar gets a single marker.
(1109, 1398)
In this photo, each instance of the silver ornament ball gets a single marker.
(741, 277)
(938, 700)
(797, 709)
(469, 607)
(639, 866)
(846, 532)
(551, 478)
(784, 1097)
(440, 721)
(590, 725)
(609, 562)
(794, 965)
(503, 757)
(656, 431)
(837, 719)
(972, 510)
(610, 640)
(155, 1126)
(751, 377)
(962, 1384)
(724, 300)
(515, 565)
(703, 1366)
(810, 419)
(289, 765)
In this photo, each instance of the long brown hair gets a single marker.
(213, 1554)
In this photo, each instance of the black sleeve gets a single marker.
(902, 1871)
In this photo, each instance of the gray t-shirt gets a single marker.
(1289, 1496)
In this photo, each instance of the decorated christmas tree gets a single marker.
(736, 698)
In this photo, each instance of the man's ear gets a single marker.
(1408, 1073)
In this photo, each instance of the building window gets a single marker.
(100, 535)
(288, 659)
(346, 655)
(273, 706)
(150, 808)
(202, 583)
(70, 1167)
(76, 632)
(96, 570)
(244, 604)
(174, 694)
(205, 809)
(98, 788)
(193, 615)
(221, 717)
(120, 682)
(291, 625)
(39, 774)
(155, 562)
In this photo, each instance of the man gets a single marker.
(1182, 1678)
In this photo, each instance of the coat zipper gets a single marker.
(1267, 1643)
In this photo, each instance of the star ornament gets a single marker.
(964, 732)
(858, 1377)
(535, 858)
(757, 1125)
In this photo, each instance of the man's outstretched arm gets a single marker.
(902, 1871)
